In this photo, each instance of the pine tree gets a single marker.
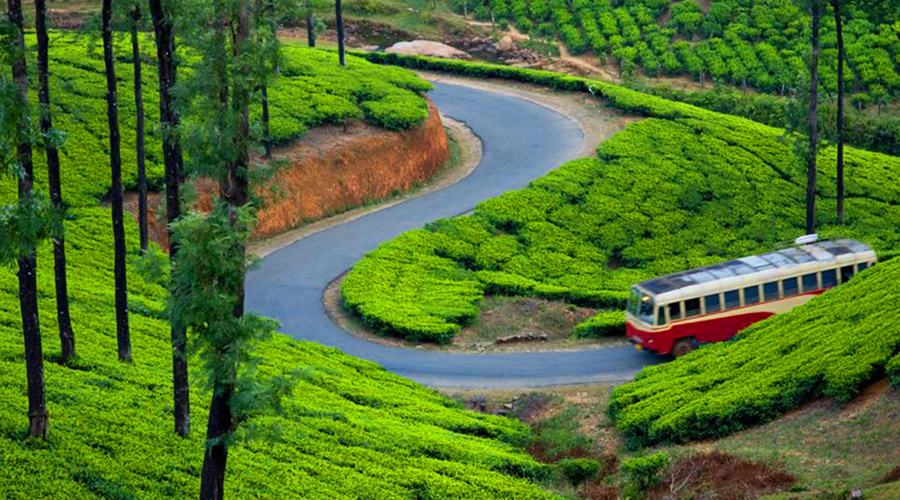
(163, 26)
(115, 159)
(50, 139)
(208, 277)
(23, 245)
(143, 223)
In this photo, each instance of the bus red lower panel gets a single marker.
(710, 330)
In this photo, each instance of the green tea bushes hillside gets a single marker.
(313, 90)
(681, 189)
(349, 428)
(828, 348)
(758, 43)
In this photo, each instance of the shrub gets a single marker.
(604, 324)
(893, 371)
(579, 470)
(643, 472)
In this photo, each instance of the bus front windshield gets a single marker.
(641, 305)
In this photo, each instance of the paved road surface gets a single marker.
(522, 141)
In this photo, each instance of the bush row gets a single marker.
(604, 324)
(830, 347)
(683, 188)
(313, 90)
(863, 129)
(760, 44)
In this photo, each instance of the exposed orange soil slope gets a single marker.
(331, 169)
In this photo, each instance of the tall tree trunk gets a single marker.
(31, 328)
(63, 319)
(813, 121)
(838, 21)
(234, 189)
(339, 21)
(267, 139)
(173, 159)
(310, 25)
(139, 132)
(115, 159)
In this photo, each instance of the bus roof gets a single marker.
(767, 265)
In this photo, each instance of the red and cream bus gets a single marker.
(675, 313)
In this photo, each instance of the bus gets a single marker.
(674, 314)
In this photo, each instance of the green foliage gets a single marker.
(757, 44)
(683, 188)
(643, 472)
(831, 348)
(893, 371)
(347, 428)
(311, 91)
(579, 470)
(604, 324)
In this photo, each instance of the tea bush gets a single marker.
(604, 324)
(893, 371)
(349, 428)
(759, 44)
(683, 188)
(830, 347)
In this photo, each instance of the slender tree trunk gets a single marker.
(115, 160)
(339, 21)
(838, 21)
(66, 334)
(267, 138)
(173, 159)
(139, 135)
(813, 121)
(31, 328)
(310, 25)
(465, 9)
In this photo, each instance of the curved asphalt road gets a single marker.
(522, 141)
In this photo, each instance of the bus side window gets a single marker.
(862, 266)
(751, 295)
(732, 299)
(713, 303)
(790, 287)
(810, 282)
(674, 311)
(691, 307)
(770, 291)
(829, 278)
(846, 273)
(660, 316)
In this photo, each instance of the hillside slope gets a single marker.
(349, 428)
(830, 347)
(680, 189)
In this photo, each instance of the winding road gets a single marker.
(522, 141)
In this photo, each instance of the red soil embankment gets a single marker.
(332, 169)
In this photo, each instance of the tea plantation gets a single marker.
(349, 429)
(683, 188)
(312, 90)
(759, 44)
(828, 348)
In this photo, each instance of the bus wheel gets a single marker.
(682, 347)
